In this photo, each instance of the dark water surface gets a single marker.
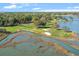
(27, 48)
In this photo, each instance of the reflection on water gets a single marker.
(72, 25)
(27, 46)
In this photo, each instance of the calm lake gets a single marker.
(72, 25)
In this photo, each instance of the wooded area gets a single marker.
(38, 18)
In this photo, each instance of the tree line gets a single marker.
(38, 18)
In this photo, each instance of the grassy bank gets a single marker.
(31, 27)
(19, 27)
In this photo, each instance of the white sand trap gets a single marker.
(47, 33)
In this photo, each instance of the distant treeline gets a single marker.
(38, 18)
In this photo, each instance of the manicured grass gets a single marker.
(19, 27)
(31, 27)
(61, 33)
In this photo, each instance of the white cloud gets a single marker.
(26, 4)
(20, 7)
(36, 9)
(10, 6)
(75, 7)
(53, 10)
(13, 3)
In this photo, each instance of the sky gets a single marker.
(38, 7)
